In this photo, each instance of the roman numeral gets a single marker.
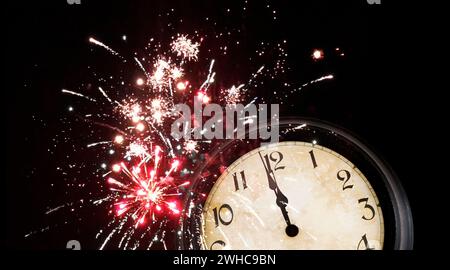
(313, 158)
(236, 180)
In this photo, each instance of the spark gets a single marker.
(119, 139)
(140, 82)
(210, 77)
(97, 143)
(317, 54)
(116, 168)
(190, 146)
(98, 43)
(78, 94)
(182, 85)
(327, 77)
(140, 127)
(104, 94)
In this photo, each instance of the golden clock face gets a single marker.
(292, 195)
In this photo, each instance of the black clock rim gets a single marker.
(404, 236)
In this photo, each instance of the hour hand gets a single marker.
(282, 202)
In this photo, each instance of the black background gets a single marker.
(372, 95)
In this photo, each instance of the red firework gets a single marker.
(142, 191)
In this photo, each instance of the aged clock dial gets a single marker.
(318, 188)
(292, 195)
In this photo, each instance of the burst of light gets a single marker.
(142, 192)
(317, 54)
(190, 146)
(140, 127)
(119, 139)
(185, 48)
(116, 168)
(234, 94)
(206, 99)
(135, 118)
(182, 85)
(140, 81)
(137, 149)
(70, 109)
(176, 73)
(203, 97)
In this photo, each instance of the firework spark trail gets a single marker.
(142, 68)
(118, 130)
(165, 140)
(144, 233)
(102, 200)
(97, 143)
(294, 128)
(327, 77)
(130, 235)
(55, 209)
(98, 43)
(235, 94)
(254, 75)
(113, 231)
(158, 232)
(39, 231)
(100, 232)
(104, 94)
(78, 94)
(209, 78)
(123, 238)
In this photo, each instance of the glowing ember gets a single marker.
(182, 85)
(140, 127)
(317, 54)
(116, 168)
(140, 82)
(119, 139)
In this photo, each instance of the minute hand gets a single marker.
(281, 199)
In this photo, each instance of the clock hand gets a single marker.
(282, 202)
(281, 199)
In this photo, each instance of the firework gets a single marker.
(140, 190)
(185, 48)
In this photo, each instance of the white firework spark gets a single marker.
(185, 48)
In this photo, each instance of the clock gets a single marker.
(318, 188)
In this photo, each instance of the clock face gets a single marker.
(292, 195)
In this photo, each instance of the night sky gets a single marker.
(48, 50)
